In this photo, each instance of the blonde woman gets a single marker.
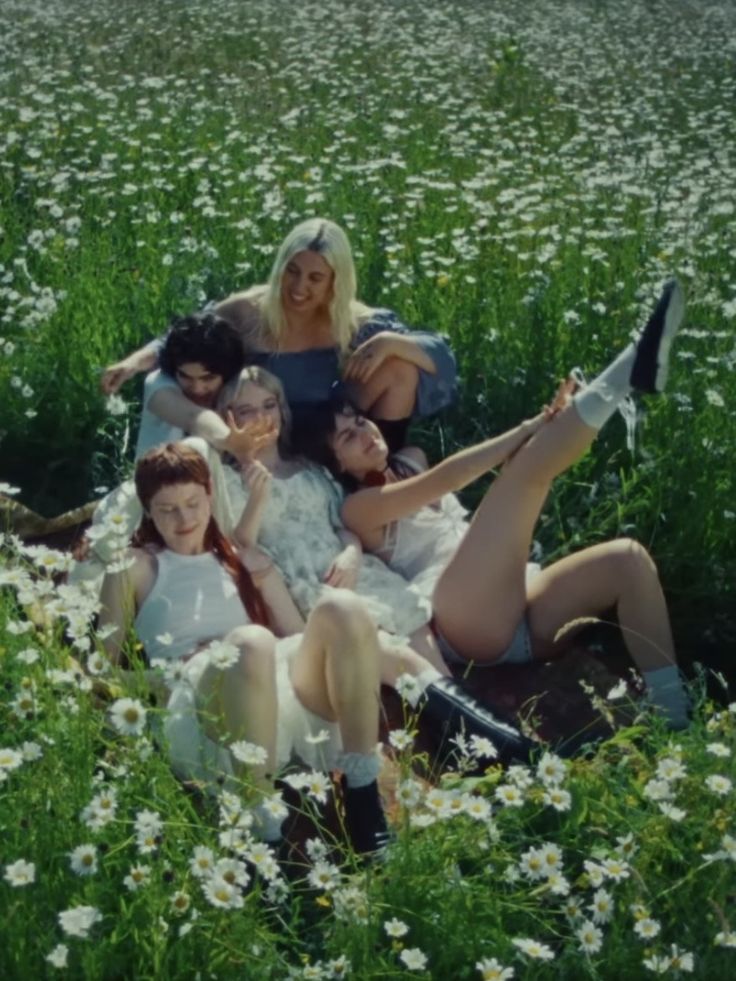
(307, 327)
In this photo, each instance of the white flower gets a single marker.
(116, 405)
(202, 862)
(657, 964)
(509, 795)
(477, 808)
(716, 749)
(551, 769)
(681, 960)
(400, 739)
(413, 959)
(671, 768)
(602, 906)
(138, 876)
(533, 949)
(223, 655)
(58, 956)
(409, 793)
(618, 691)
(78, 921)
(492, 970)
(324, 875)
(673, 813)
(483, 748)
(10, 759)
(531, 864)
(557, 798)
(407, 686)
(83, 860)
(590, 937)
(726, 938)
(249, 753)
(222, 894)
(232, 870)
(323, 736)
(29, 655)
(20, 873)
(657, 790)
(395, 928)
(615, 868)
(646, 928)
(8, 489)
(718, 784)
(128, 715)
(180, 903)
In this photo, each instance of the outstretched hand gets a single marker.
(115, 376)
(246, 441)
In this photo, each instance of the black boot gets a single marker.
(452, 711)
(365, 820)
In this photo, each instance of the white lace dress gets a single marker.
(299, 531)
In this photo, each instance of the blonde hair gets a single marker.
(328, 240)
(263, 379)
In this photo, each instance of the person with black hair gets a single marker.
(200, 353)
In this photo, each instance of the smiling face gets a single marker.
(256, 405)
(181, 514)
(306, 284)
(198, 383)
(358, 445)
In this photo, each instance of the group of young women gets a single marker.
(345, 543)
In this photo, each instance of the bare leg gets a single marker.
(390, 392)
(240, 702)
(336, 672)
(481, 595)
(616, 574)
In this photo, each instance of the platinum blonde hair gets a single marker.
(327, 239)
(263, 379)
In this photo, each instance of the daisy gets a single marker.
(180, 902)
(413, 959)
(533, 949)
(395, 928)
(726, 938)
(492, 970)
(716, 749)
(10, 759)
(681, 960)
(138, 876)
(223, 655)
(79, 920)
(590, 937)
(557, 798)
(202, 862)
(222, 894)
(20, 873)
(248, 753)
(509, 795)
(128, 716)
(233, 871)
(602, 906)
(400, 739)
(646, 928)
(551, 769)
(83, 860)
(58, 957)
(718, 784)
(324, 875)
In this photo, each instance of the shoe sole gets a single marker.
(651, 365)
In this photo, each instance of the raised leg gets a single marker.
(390, 392)
(481, 595)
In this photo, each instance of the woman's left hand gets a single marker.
(369, 356)
(343, 573)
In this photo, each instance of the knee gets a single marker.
(256, 652)
(634, 561)
(344, 616)
(395, 373)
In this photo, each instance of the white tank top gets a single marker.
(194, 600)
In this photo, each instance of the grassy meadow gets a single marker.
(520, 175)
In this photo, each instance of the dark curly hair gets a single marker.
(202, 338)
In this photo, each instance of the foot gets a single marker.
(365, 820)
(649, 371)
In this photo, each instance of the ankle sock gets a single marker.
(360, 769)
(597, 402)
(667, 693)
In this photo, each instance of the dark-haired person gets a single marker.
(199, 354)
(307, 327)
(490, 606)
(186, 588)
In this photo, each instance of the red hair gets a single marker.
(177, 463)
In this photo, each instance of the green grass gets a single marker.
(521, 176)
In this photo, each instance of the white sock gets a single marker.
(360, 769)
(668, 693)
(597, 402)
(419, 684)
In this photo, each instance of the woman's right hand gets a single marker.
(245, 442)
(256, 478)
(116, 375)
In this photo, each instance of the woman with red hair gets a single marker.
(199, 610)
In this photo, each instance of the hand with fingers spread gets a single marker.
(245, 442)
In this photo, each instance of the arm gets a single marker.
(285, 618)
(171, 405)
(257, 483)
(344, 569)
(368, 510)
(144, 359)
(119, 600)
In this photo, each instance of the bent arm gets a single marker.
(117, 611)
(369, 510)
(144, 359)
(171, 405)
(285, 618)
